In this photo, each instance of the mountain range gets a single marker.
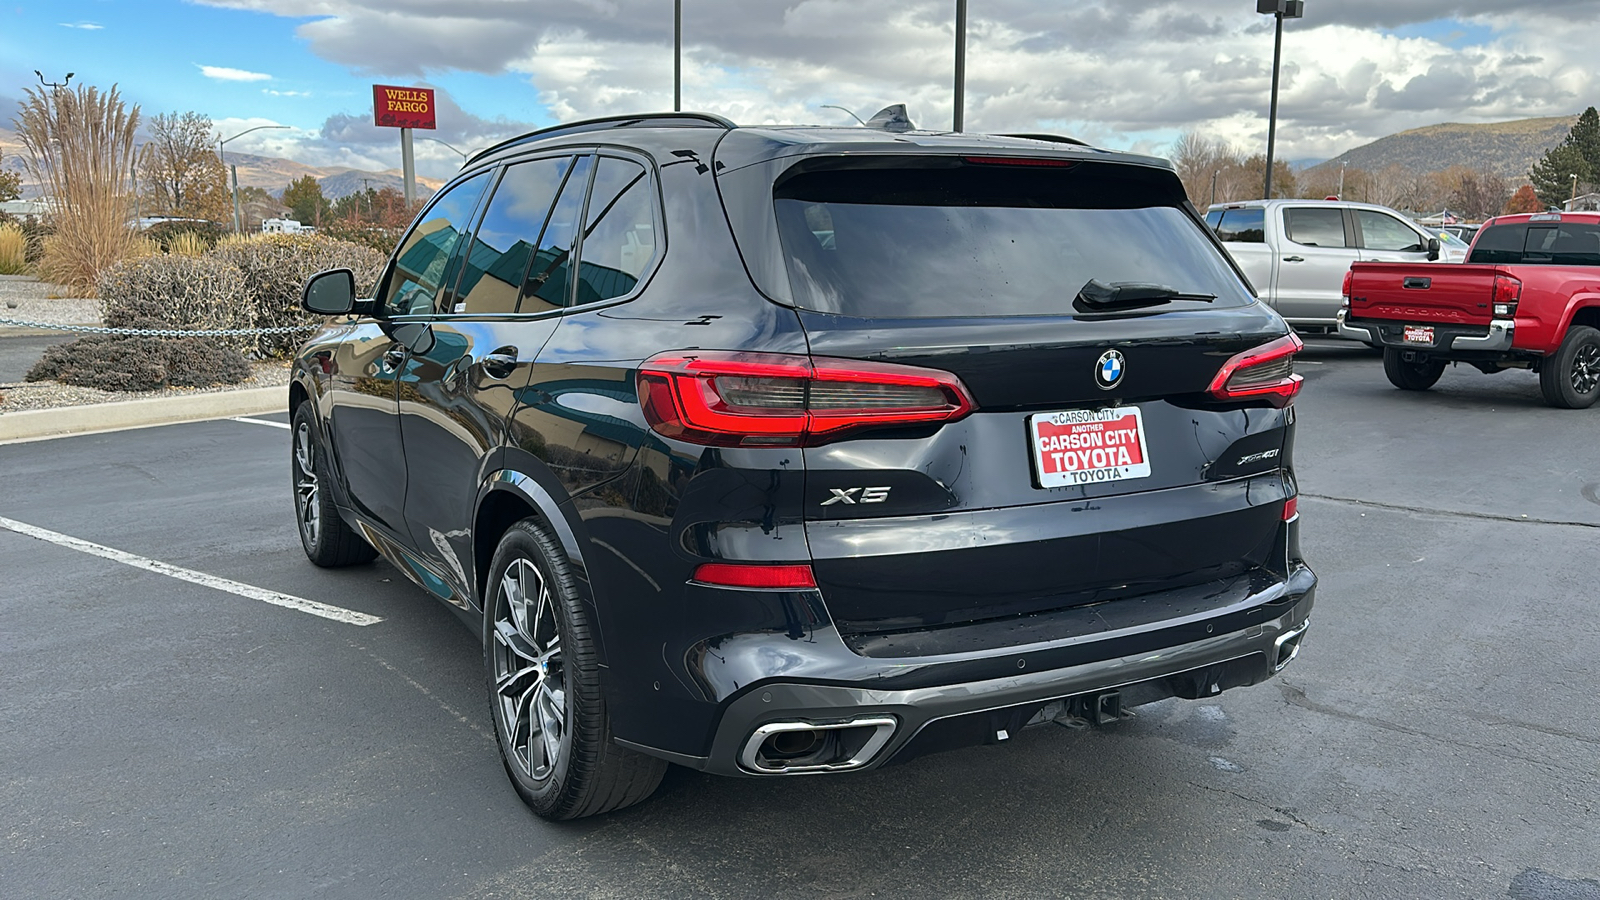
(1506, 148)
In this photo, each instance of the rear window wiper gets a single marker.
(1097, 296)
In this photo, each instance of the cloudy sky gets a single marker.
(1115, 73)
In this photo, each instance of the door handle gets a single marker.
(499, 364)
(393, 359)
(1294, 259)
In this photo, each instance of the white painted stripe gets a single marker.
(288, 601)
(283, 425)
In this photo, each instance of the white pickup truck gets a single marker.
(1296, 252)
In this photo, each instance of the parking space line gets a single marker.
(288, 601)
(283, 425)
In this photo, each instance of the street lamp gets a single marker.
(450, 148)
(959, 120)
(1279, 10)
(238, 224)
(837, 106)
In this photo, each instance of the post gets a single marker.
(961, 66)
(408, 168)
(1272, 116)
(1214, 174)
(677, 55)
(238, 222)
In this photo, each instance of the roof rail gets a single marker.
(1052, 138)
(647, 120)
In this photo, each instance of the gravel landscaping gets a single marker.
(24, 298)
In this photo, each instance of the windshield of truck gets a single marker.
(986, 240)
(1539, 243)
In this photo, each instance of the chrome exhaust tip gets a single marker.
(795, 748)
(1287, 646)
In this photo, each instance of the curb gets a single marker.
(93, 418)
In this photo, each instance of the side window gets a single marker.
(549, 282)
(1242, 226)
(619, 237)
(1385, 232)
(1315, 226)
(419, 268)
(503, 246)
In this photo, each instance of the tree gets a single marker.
(180, 174)
(1585, 135)
(1523, 201)
(356, 208)
(304, 198)
(1552, 175)
(10, 185)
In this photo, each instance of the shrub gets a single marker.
(379, 237)
(34, 229)
(138, 363)
(164, 233)
(188, 244)
(275, 267)
(13, 249)
(184, 292)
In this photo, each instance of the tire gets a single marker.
(1412, 376)
(328, 541)
(1570, 377)
(545, 692)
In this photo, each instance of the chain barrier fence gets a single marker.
(162, 332)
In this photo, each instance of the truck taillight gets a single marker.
(1344, 291)
(1261, 373)
(733, 399)
(1507, 291)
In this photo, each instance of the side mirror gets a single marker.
(330, 293)
(1433, 249)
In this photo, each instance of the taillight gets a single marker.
(1261, 373)
(1507, 291)
(1349, 275)
(793, 577)
(1291, 508)
(733, 399)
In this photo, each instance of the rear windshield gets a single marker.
(986, 240)
(1539, 243)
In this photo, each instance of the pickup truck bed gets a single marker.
(1528, 297)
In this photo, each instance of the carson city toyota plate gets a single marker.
(1087, 446)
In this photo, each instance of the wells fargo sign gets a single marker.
(402, 107)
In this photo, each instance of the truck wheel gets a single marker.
(1570, 377)
(545, 694)
(1410, 376)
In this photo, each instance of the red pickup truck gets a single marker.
(1528, 297)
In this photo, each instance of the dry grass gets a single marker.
(188, 244)
(80, 145)
(13, 249)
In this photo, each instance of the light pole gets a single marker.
(961, 65)
(1214, 174)
(1279, 10)
(836, 106)
(1574, 201)
(677, 55)
(238, 224)
(450, 148)
(1342, 164)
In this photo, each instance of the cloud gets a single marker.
(272, 93)
(86, 26)
(1114, 73)
(223, 73)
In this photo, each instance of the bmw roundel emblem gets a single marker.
(1108, 371)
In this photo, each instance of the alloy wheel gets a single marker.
(308, 509)
(1586, 369)
(529, 677)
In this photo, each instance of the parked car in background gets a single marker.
(789, 451)
(1296, 252)
(1528, 298)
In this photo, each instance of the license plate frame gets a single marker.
(1418, 335)
(1079, 447)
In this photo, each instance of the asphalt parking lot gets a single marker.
(1439, 736)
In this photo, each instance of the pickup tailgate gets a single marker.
(1407, 292)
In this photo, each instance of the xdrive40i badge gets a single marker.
(1108, 369)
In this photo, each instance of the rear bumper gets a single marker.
(938, 709)
(1498, 339)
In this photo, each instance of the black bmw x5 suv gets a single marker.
(777, 451)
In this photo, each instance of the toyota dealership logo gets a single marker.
(1108, 371)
